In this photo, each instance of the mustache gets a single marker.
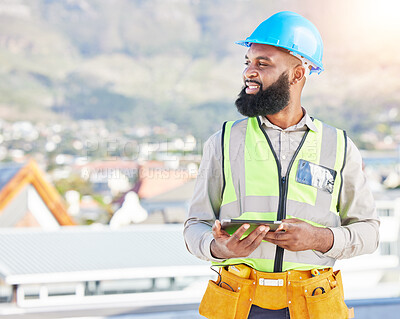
(253, 81)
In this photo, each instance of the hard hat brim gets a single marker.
(247, 43)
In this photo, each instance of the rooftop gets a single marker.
(90, 253)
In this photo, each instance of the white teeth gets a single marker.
(253, 86)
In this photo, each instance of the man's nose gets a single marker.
(250, 72)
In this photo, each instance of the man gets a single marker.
(280, 164)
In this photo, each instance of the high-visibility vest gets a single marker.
(254, 188)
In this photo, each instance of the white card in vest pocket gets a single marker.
(315, 175)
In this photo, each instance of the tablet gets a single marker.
(231, 225)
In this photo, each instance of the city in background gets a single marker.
(104, 110)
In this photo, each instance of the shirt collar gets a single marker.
(305, 121)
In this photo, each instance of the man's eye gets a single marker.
(263, 64)
(246, 63)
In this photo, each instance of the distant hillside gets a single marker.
(157, 61)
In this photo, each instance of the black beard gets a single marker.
(265, 102)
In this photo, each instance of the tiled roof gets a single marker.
(182, 193)
(154, 182)
(7, 172)
(14, 178)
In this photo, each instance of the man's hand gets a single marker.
(296, 235)
(225, 246)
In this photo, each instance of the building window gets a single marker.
(386, 212)
(388, 248)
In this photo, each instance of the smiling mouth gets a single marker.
(252, 87)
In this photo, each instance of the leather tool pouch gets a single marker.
(271, 291)
(320, 297)
(227, 298)
(218, 302)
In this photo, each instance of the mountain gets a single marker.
(152, 61)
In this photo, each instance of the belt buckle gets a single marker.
(271, 282)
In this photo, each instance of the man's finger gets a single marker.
(217, 230)
(257, 241)
(280, 228)
(240, 231)
(216, 227)
(259, 231)
(276, 242)
(291, 220)
(281, 235)
(285, 226)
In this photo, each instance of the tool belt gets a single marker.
(314, 294)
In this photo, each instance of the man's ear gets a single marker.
(298, 74)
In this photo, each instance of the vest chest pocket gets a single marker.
(318, 176)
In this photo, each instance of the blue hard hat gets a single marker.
(293, 32)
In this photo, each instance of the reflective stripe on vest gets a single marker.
(254, 189)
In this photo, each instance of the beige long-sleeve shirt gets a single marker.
(359, 230)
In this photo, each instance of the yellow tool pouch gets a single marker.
(319, 297)
(218, 302)
(271, 292)
(230, 297)
(308, 297)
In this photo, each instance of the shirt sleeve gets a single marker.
(206, 201)
(359, 232)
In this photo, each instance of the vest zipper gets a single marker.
(282, 199)
(278, 263)
(283, 189)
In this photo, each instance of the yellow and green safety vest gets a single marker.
(254, 188)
